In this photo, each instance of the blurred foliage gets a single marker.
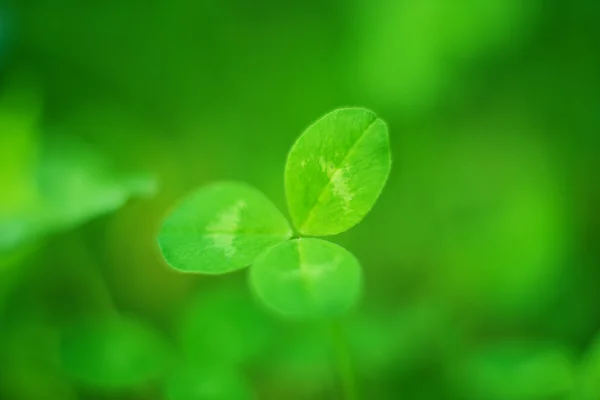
(112, 352)
(534, 370)
(481, 260)
(234, 328)
(588, 378)
(206, 381)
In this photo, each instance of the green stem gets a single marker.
(344, 363)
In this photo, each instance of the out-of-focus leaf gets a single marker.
(29, 370)
(9, 273)
(402, 339)
(113, 353)
(77, 184)
(206, 381)
(54, 185)
(307, 278)
(20, 108)
(336, 170)
(301, 355)
(484, 212)
(220, 228)
(73, 184)
(588, 383)
(224, 324)
(516, 370)
(412, 51)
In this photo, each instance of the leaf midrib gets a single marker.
(338, 168)
(304, 273)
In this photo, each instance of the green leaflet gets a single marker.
(113, 353)
(221, 227)
(307, 277)
(336, 170)
(194, 381)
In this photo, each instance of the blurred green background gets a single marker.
(481, 259)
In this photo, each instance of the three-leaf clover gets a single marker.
(334, 173)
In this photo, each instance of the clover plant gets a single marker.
(334, 173)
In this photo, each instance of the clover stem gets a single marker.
(344, 363)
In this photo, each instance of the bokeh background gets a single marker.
(481, 258)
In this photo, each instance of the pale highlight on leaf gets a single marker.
(227, 221)
(220, 228)
(339, 182)
(336, 170)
